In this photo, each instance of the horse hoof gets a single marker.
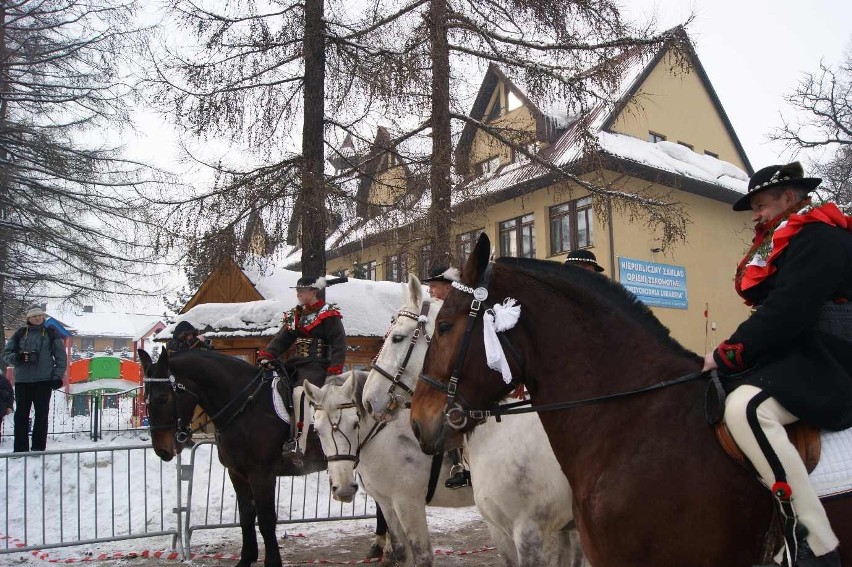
(376, 552)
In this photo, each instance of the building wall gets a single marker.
(514, 122)
(673, 102)
(100, 342)
(716, 239)
(389, 185)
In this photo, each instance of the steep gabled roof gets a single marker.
(226, 284)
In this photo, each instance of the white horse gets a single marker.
(394, 470)
(517, 483)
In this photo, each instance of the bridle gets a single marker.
(335, 429)
(395, 400)
(457, 415)
(184, 431)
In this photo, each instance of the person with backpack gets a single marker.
(38, 356)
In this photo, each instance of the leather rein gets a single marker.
(184, 431)
(457, 415)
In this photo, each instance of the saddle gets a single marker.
(805, 438)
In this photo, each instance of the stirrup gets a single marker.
(460, 479)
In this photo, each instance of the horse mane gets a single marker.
(360, 380)
(558, 276)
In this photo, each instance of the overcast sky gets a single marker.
(755, 51)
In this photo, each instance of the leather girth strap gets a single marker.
(804, 437)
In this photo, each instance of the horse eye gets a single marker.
(444, 327)
(398, 338)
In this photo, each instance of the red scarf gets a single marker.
(750, 275)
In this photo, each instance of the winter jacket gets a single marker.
(7, 396)
(786, 347)
(48, 347)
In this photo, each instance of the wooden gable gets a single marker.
(227, 284)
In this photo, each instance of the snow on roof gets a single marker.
(108, 323)
(367, 307)
(675, 158)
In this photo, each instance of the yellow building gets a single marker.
(666, 136)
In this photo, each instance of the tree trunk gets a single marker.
(440, 213)
(313, 217)
(4, 212)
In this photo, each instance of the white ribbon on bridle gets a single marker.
(501, 318)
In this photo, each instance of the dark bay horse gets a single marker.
(250, 436)
(651, 485)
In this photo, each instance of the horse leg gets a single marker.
(394, 551)
(412, 517)
(378, 547)
(263, 487)
(534, 549)
(245, 504)
(504, 544)
(570, 551)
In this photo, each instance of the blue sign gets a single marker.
(658, 285)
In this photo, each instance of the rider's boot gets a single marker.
(459, 476)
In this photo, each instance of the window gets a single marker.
(396, 268)
(425, 260)
(571, 226)
(520, 157)
(517, 237)
(119, 344)
(653, 137)
(490, 165)
(685, 145)
(87, 343)
(465, 243)
(365, 271)
(497, 107)
(711, 154)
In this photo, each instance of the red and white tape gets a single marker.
(171, 555)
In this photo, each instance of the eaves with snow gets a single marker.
(367, 307)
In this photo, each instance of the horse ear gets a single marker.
(145, 359)
(415, 290)
(477, 261)
(163, 363)
(314, 394)
(350, 387)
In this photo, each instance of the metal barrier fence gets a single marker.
(86, 496)
(212, 503)
(92, 413)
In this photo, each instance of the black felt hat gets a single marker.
(443, 274)
(789, 175)
(582, 256)
(309, 282)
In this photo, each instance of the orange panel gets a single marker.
(131, 371)
(80, 371)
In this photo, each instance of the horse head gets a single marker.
(394, 371)
(457, 349)
(337, 417)
(170, 407)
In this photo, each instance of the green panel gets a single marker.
(105, 367)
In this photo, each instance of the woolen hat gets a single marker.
(309, 282)
(443, 274)
(789, 175)
(582, 256)
(34, 311)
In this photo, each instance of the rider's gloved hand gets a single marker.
(264, 360)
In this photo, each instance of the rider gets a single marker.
(795, 346)
(440, 282)
(185, 337)
(585, 259)
(316, 328)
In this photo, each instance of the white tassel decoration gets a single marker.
(504, 317)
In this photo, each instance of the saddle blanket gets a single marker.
(278, 402)
(833, 474)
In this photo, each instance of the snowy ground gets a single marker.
(73, 493)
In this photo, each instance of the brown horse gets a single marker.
(652, 486)
(249, 433)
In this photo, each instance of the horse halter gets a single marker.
(396, 380)
(335, 428)
(183, 432)
(455, 414)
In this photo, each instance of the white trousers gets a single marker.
(754, 418)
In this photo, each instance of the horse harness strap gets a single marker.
(396, 380)
(335, 428)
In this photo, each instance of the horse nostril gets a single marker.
(416, 428)
(334, 488)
